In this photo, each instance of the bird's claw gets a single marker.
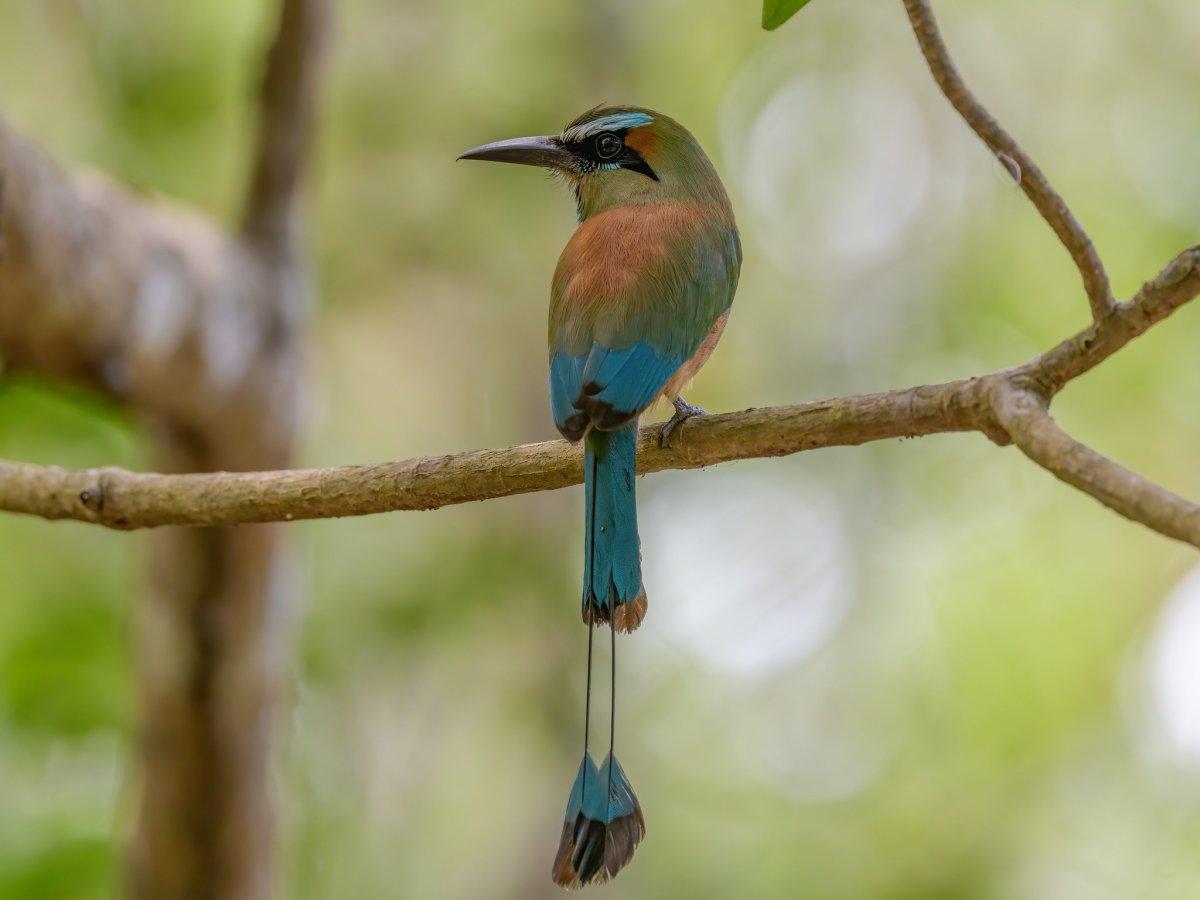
(683, 412)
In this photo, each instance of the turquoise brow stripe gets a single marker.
(614, 122)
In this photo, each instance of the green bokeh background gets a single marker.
(920, 669)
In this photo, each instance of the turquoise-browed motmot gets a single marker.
(638, 302)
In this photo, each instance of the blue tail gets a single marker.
(612, 564)
(602, 827)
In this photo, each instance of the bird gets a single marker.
(638, 301)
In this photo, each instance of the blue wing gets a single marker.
(606, 387)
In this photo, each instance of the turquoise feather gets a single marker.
(586, 782)
(595, 796)
(612, 556)
(618, 799)
(626, 381)
(566, 386)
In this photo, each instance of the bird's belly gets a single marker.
(685, 373)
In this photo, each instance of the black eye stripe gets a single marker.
(607, 150)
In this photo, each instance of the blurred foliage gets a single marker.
(913, 670)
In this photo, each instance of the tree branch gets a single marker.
(144, 301)
(127, 500)
(1026, 418)
(1014, 158)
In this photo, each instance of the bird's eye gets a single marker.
(608, 146)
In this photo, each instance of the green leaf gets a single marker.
(776, 12)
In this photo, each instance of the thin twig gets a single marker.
(1014, 158)
(1177, 284)
(1026, 418)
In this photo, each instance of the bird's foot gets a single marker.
(683, 412)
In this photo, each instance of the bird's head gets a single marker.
(619, 156)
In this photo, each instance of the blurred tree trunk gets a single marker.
(209, 677)
(197, 332)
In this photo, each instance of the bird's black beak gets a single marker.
(526, 151)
